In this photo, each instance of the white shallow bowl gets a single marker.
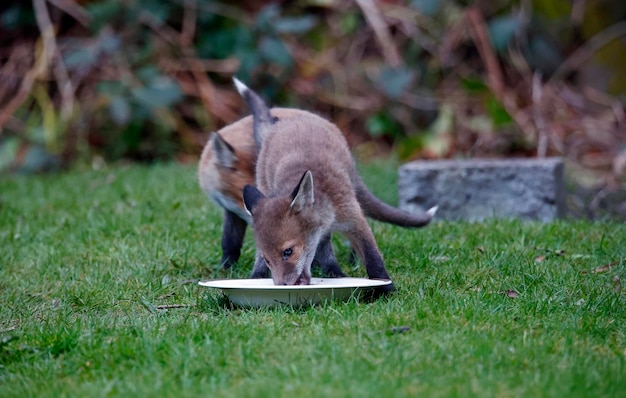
(263, 292)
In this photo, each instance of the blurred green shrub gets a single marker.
(150, 79)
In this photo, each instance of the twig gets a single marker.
(606, 100)
(12, 70)
(229, 11)
(349, 102)
(594, 205)
(481, 39)
(452, 38)
(73, 9)
(387, 46)
(50, 50)
(540, 123)
(421, 102)
(16, 101)
(584, 52)
(413, 24)
(578, 11)
(189, 23)
(168, 306)
(495, 79)
(228, 65)
(163, 30)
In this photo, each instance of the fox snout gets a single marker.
(291, 279)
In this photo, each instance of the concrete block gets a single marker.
(475, 190)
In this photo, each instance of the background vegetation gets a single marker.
(94, 81)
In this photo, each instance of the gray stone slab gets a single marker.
(478, 189)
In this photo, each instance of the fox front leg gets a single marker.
(364, 243)
(233, 232)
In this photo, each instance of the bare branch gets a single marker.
(26, 85)
(51, 51)
(168, 306)
(387, 45)
(189, 23)
(586, 51)
(537, 96)
(480, 37)
(73, 9)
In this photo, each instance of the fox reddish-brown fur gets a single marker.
(307, 188)
(228, 160)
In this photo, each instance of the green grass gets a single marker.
(87, 257)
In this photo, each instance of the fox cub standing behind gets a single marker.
(306, 189)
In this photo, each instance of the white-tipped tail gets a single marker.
(431, 212)
(242, 88)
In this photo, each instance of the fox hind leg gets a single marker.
(233, 232)
(325, 258)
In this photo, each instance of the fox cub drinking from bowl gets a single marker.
(306, 188)
(227, 165)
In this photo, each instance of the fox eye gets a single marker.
(287, 253)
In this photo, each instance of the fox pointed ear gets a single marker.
(251, 198)
(224, 152)
(303, 195)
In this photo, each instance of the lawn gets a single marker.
(90, 258)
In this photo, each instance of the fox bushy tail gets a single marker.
(262, 118)
(381, 211)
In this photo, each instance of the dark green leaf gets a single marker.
(473, 85)
(158, 9)
(249, 61)
(148, 74)
(8, 152)
(382, 124)
(109, 42)
(349, 23)
(226, 42)
(544, 55)
(502, 29)
(131, 136)
(394, 81)
(110, 88)
(295, 25)
(38, 159)
(80, 58)
(409, 145)
(16, 17)
(498, 114)
(102, 12)
(273, 50)
(162, 93)
(427, 7)
(266, 17)
(376, 125)
(119, 109)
